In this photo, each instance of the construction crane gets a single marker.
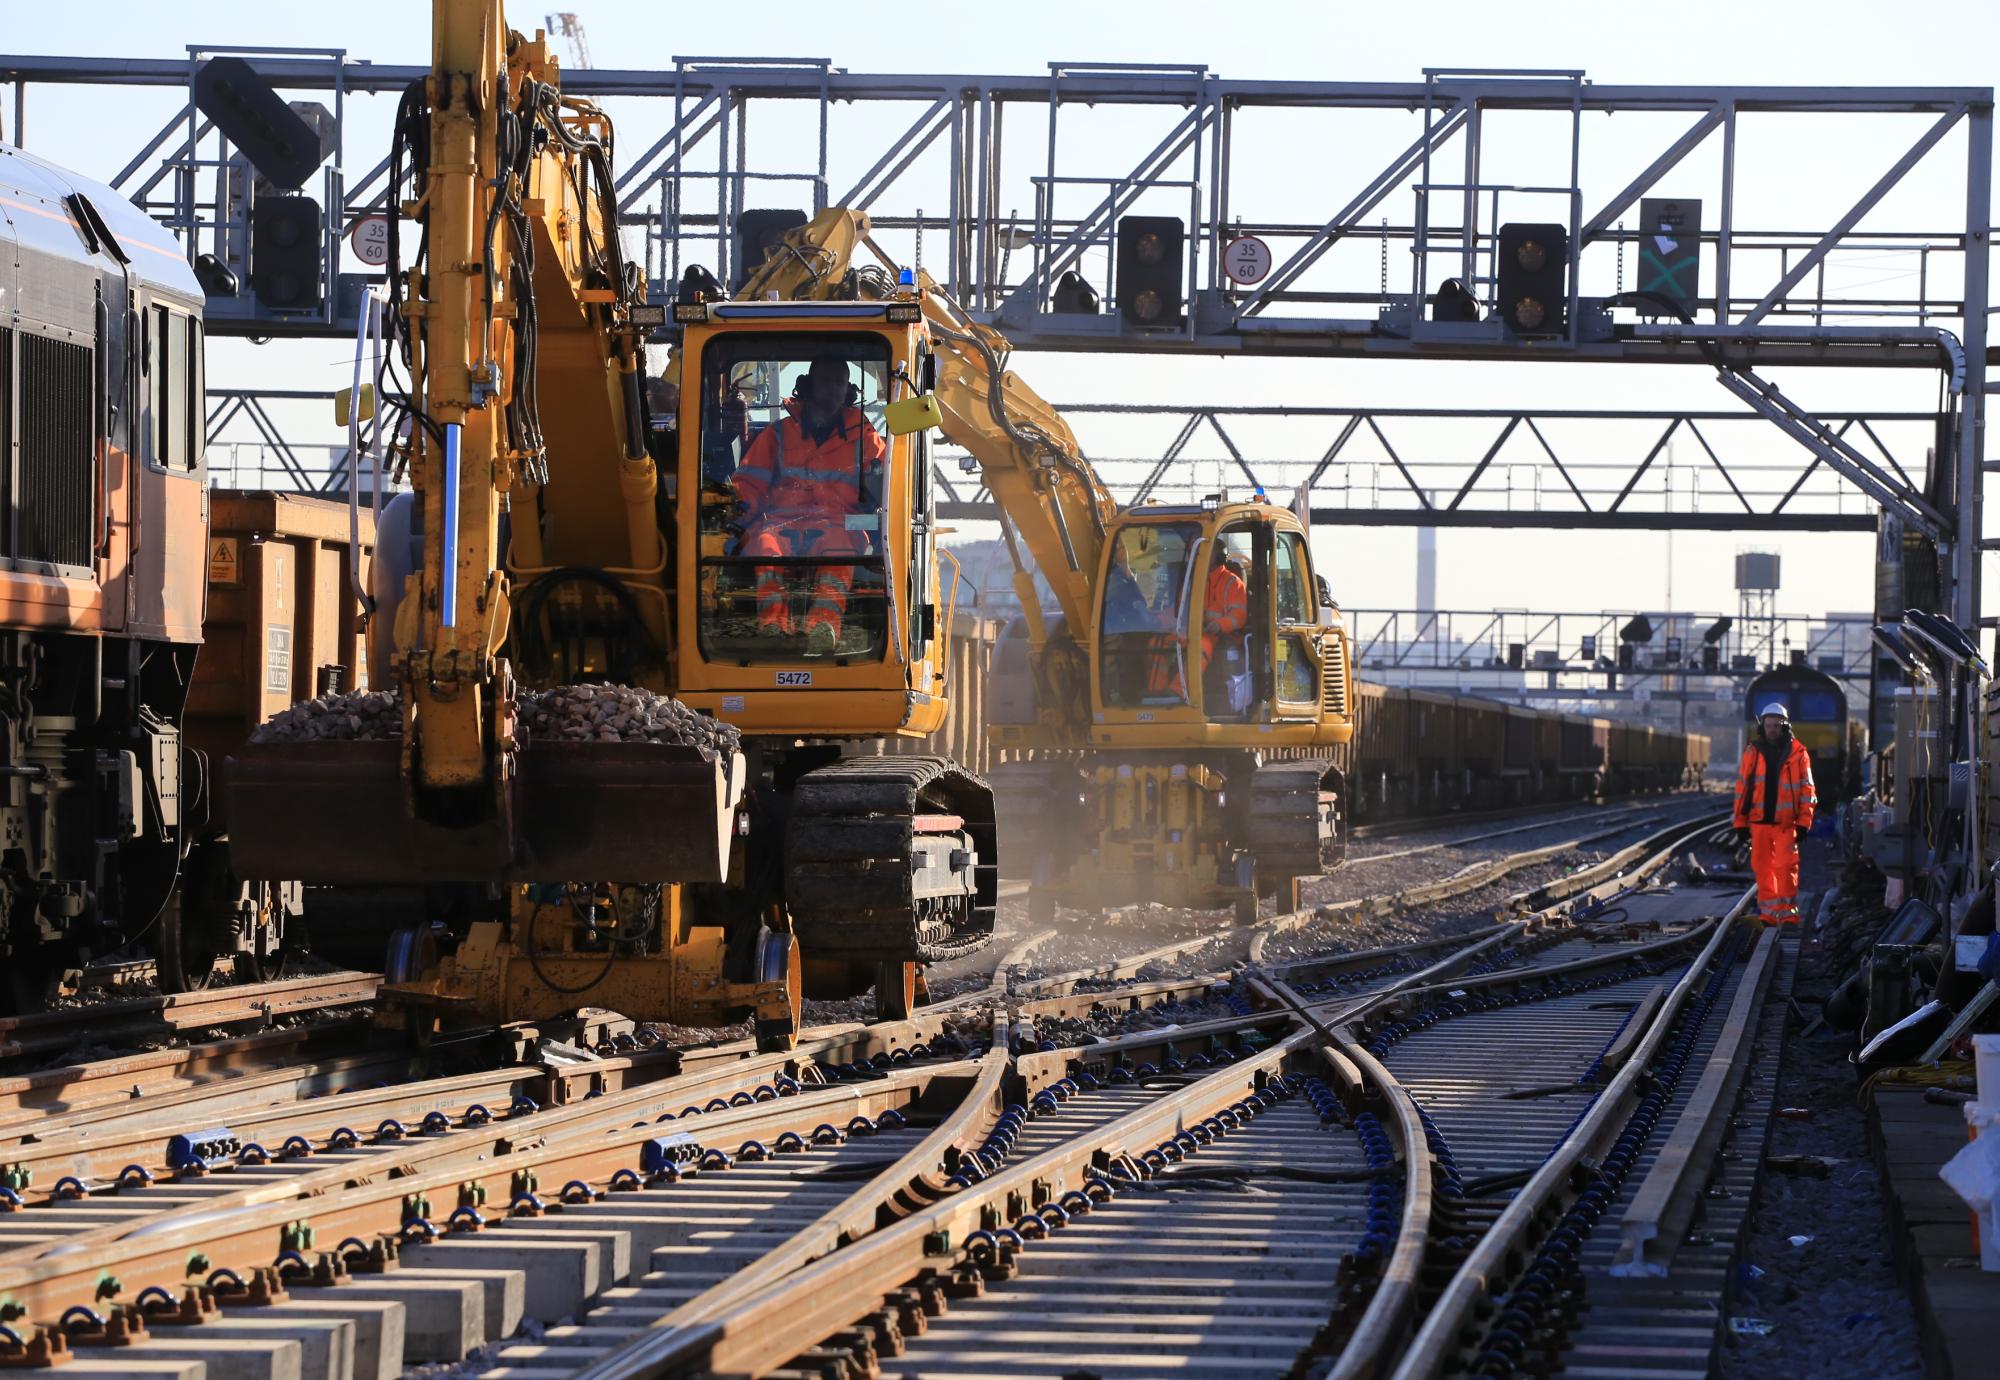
(566, 24)
(1170, 729)
(632, 769)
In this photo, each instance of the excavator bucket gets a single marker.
(337, 813)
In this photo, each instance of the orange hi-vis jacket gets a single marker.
(1225, 609)
(787, 472)
(1796, 796)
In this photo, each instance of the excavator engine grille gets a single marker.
(1333, 674)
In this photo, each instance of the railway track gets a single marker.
(45, 1033)
(1398, 828)
(1298, 1173)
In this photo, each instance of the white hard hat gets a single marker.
(1775, 708)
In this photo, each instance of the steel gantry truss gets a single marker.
(1562, 645)
(1485, 467)
(1001, 185)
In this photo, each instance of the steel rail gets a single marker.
(520, 1143)
(1394, 1300)
(41, 1156)
(907, 1184)
(45, 1032)
(728, 1073)
(1370, 1347)
(1470, 839)
(764, 1330)
(999, 975)
(1650, 1230)
(1389, 1307)
(1503, 1250)
(1462, 883)
(107, 1087)
(1536, 929)
(1482, 875)
(1395, 828)
(1650, 853)
(375, 1204)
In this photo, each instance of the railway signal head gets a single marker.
(1533, 274)
(1074, 296)
(758, 232)
(287, 236)
(1151, 263)
(278, 138)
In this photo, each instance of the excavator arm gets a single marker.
(519, 256)
(520, 324)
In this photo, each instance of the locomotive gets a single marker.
(103, 517)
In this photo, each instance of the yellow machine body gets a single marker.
(1120, 787)
(1307, 666)
(564, 544)
(535, 968)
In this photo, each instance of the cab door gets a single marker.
(1294, 629)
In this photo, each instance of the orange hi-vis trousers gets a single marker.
(1774, 856)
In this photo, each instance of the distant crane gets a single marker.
(570, 27)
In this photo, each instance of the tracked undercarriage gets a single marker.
(1202, 831)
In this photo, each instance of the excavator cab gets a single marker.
(791, 505)
(811, 600)
(1218, 682)
(1210, 617)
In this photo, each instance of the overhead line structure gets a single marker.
(1766, 300)
(1437, 639)
(1371, 474)
(1363, 477)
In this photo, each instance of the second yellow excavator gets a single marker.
(1167, 727)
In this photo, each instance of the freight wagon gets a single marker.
(1418, 752)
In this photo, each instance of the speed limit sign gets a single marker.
(369, 238)
(1246, 259)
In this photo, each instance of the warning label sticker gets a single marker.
(222, 563)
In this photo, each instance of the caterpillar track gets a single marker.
(1297, 823)
(891, 860)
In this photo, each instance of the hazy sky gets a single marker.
(1810, 170)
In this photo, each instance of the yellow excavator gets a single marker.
(1169, 730)
(637, 686)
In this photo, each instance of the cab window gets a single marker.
(1142, 658)
(794, 473)
(174, 389)
(1294, 596)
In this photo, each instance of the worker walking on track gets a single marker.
(1774, 805)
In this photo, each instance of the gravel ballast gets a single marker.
(1834, 1305)
(566, 713)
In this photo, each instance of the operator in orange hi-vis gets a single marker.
(798, 484)
(1225, 605)
(1774, 806)
(1225, 614)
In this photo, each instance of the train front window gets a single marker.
(794, 467)
(1143, 649)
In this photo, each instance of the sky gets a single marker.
(1807, 170)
